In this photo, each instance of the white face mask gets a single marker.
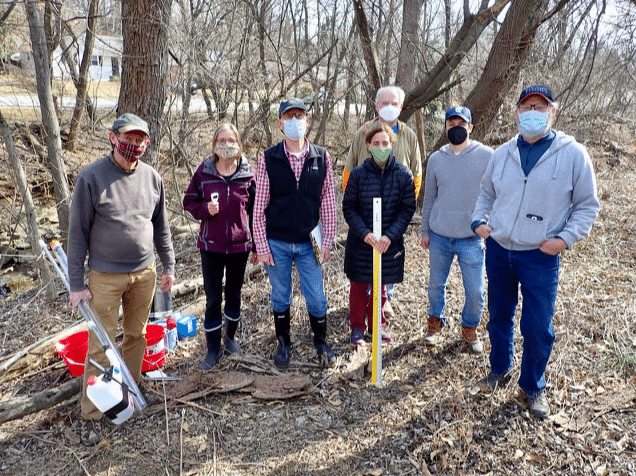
(294, 128)
(533, 123)
(389, 113)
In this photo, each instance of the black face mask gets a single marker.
(457, 135)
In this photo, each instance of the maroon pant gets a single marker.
(361, 305)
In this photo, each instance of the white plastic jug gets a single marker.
(111, 397)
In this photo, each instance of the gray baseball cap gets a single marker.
(129, 122)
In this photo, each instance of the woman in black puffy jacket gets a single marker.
(380, 176)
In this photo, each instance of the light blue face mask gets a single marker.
(294, 128)
(533, 123)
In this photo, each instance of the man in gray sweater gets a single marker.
(453, 175)
(118, 212)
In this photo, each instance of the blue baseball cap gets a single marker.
(538, 90)
(460, 111)
(291, 103)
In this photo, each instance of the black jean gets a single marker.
(214, 265)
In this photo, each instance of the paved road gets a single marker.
(196, 105)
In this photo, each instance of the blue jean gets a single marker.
(309, 272)
(538, 275)
(470, 256)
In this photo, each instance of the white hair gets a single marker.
(398, 91)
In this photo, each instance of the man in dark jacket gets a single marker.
(384, 177)
(294, 193)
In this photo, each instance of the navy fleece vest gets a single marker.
(294, 207)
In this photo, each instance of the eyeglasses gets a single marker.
(300, 115)
(537, 107)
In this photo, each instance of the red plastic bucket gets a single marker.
(155, 353)
(73, 350)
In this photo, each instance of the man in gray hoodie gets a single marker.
(537, 198)
(452, 186)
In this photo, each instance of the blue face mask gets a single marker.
(533, 123)
(294, 128)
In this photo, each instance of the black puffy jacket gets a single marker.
(394, 185)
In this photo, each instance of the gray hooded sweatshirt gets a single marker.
(452, 187)
(557, 198)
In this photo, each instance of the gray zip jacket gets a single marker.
(557, 198)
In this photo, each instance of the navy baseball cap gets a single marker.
(130, 122)
(291, 103)
(538, 90)
(460, 111)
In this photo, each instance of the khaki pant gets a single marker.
(134, 292)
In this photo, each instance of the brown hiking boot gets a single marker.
(472, 340)
(434, 329)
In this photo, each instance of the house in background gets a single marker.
(105, 60)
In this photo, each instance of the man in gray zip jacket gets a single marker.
(537, 198)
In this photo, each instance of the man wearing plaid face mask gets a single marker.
(117, 215)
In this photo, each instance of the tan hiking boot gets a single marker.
(433, 331)
(472, 340)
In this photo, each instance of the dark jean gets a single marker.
(214, 266)
(538, 275)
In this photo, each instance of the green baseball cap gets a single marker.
(291, 103)
(129, 122)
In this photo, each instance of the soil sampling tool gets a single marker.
(95, 325)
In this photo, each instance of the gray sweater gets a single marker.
(116, 216)
(557, 198)
(452, 187)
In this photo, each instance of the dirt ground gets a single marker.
(426, 418)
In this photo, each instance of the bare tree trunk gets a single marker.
(331, 87)
(145, 65)
(67, 57)
(368, 50)
(49, 119)
(409, 45)
(505, 61)
(29, 208)
(565, 45)
(82, 78)
(265, 102)
(461, 44)
(447, 40)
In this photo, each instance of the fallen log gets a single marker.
(21, 407)
(187, 287)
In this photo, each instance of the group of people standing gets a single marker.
(507, 214)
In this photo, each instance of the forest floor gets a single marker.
(427, 417)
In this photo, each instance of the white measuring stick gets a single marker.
(376, 345)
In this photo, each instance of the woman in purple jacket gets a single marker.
(221, 196)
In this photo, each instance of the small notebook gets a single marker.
(316, 241)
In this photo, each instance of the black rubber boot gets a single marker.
(213, 341)
(231, 346)
(325, 355)
(282, 323)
